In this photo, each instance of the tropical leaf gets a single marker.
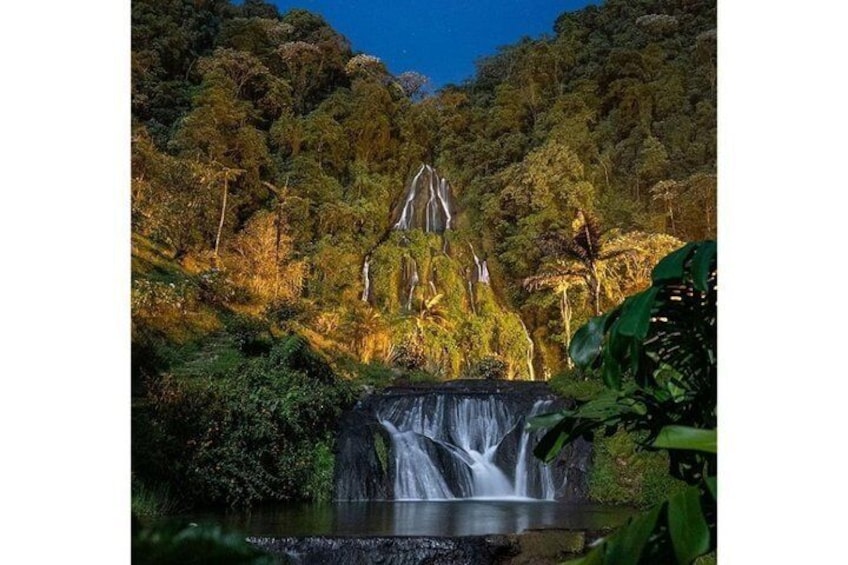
(544, 421)
(684, 437)
(671, 266)
(586, 343)
(434, 301)
(690, 534)
(636, 314)
(703, 261)
(628, 544)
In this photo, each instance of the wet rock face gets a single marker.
(459, 439)
(358, 453)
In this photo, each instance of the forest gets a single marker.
(273, 279)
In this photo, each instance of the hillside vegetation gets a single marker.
(270, 159)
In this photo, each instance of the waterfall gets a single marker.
(430, 216)
(463, 439)
(443, 195)
(482, 267)
(521, 472)
(530, 351)
(447, 447)
(405, 220)
(366, 267)
(412, 277)
(426, 203)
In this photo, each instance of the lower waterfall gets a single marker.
(460, 440)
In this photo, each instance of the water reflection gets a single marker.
(442, 518)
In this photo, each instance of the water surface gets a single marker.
(419, 518)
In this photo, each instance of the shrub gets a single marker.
(489, 368)
(320, 484)
(375, 374)
(249, 334)
(409, 355)
(279, 312)
(216, 288)
(570, 385)
(259, 434)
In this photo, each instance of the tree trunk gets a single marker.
(223, 215)
(279, 234)
(595, 286)
(671, 217)
(565, 309)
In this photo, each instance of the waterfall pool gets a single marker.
(467, 517)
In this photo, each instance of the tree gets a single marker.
(653, 162)
(225, 175)
(579, 255)
(413, 84)
(667, 191)
(259, 259)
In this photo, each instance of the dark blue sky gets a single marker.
(440, 38)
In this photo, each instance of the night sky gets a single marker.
(439, 38)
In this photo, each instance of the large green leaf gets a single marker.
(636, 314)
(546, 420)
(690, 534)
(685, 437)
(611, 372)
(671, 266)
(702, 262)
(625, 547)
(586, 343)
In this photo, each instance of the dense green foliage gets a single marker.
(268, 157)
(259, 432)
(657, 355)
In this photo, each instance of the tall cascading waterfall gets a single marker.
(426, 203)
(463, 439)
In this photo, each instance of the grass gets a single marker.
(149, 502)
(215, 357)
(570, 385)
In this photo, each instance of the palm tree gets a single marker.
(581, 253)
(573, 260)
